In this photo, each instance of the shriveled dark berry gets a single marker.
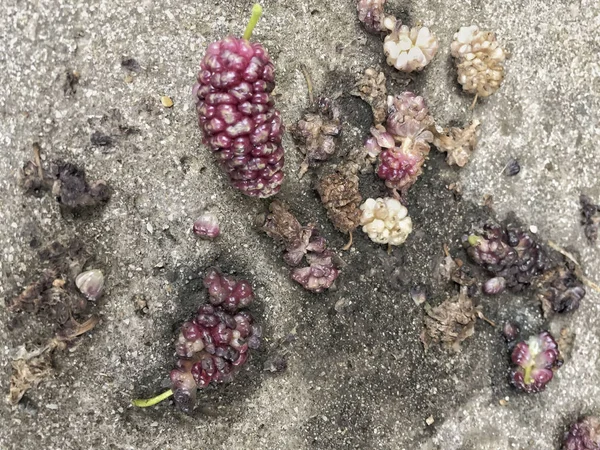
(583, 435)
(512, 168)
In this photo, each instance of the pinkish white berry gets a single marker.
(90, 284)
(207, 226)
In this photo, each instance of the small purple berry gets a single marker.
(207, 226)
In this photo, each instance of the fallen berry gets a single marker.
(409, 49)
(214, 345)
(536, 359)
(207, 226)
(237, 114)
(583, 435)
(385, 220)
(479, 60)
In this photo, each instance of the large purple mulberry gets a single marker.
(535, 360)
(583, 435)
(237, 114)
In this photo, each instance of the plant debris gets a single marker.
(131, 65)
(372, 89)
(99, 139)
(54, 292)
(590, 218)
(66, 181)
(300, 242)
(451, 322)
(560, 290)
(71, 82)
(316, 133)
(341, 197)
(30, 368)
(458, 143)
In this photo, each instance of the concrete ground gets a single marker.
(357, 375)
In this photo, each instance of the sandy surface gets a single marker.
(357, 375)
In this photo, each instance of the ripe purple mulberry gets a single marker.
(214, 344)
(237, 114)
(535, 359)
(583, 435)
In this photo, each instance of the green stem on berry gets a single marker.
(254, 18)
(474, 240)
(144, 403)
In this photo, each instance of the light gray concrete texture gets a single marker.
(357, 375)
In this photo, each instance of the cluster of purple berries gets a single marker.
(215, 343)
(583, 435)
(237, 115)
(510, 254)
(535, 360)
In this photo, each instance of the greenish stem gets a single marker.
(144, 403)
(474, 240)
(256, 13)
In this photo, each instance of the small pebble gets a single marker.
(128, 79)
(429, 421)
(166, 101)
(150, 228)
(533, 229)
(503, 402)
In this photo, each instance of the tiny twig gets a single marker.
(563, 252)
(474, 102)
(482, 317)
(309, 83)
(349, 244)
(37, 159)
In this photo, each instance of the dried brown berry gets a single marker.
(341, 197)
(299, 242)
(371, 88)
(316, 133)
(590, 217)
(451, 322)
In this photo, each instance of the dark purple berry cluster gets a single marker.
(512, 255)
(215, 343)
(583, 435)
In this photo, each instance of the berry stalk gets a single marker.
(254, 18)
(145, 403)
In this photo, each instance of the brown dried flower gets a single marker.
(30, 368)
(459, 143)
(341, 197)
(451, 322)
(316, 133)
(299, 242)
(66, 181)
(371, 88)
(590, 217)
